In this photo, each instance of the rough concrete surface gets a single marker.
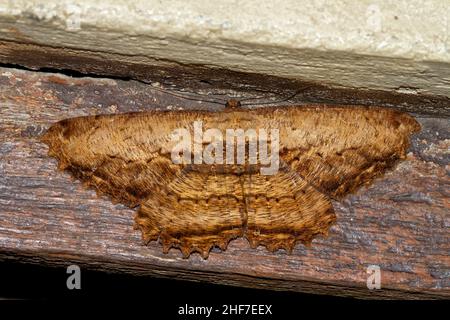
(394, 45)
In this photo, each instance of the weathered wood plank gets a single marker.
(198, 78)
(400, 223)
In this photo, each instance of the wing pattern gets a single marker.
(325, 153)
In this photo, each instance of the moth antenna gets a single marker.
(184, 96)
(275, 102)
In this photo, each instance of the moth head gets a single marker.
(233, 104)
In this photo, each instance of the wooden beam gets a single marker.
(400, 223)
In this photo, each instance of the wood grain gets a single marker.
(400, 223)
(204, 79)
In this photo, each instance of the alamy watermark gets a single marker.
(374, 278)
(74, 280)
(212, 146)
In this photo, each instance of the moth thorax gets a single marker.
(233, 104)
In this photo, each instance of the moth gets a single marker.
(194, 193)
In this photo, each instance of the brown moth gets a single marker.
(324, 153)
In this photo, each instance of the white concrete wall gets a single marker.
(395, 45)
